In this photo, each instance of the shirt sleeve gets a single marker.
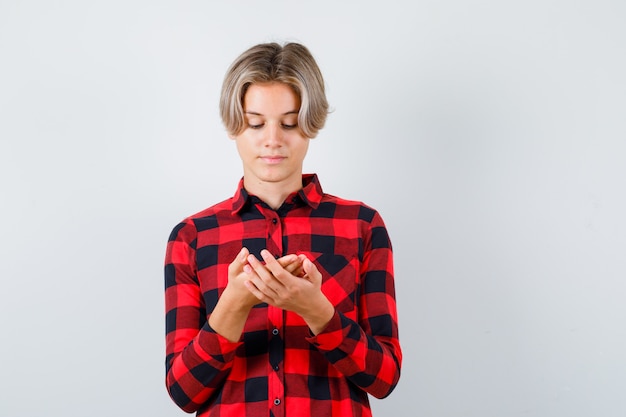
(368, 352)
(198, 360)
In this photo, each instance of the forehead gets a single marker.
(271, 98)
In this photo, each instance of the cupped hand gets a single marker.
(292, 283)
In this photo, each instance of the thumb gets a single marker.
(242, 256)
(239, 262)
(310, 270)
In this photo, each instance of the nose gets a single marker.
(273, 135)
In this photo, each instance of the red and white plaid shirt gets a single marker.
(278, 367)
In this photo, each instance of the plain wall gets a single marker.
(490, 135)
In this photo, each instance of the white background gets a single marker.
(491, 136)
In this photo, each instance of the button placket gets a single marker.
(276, 383)
(274, 235)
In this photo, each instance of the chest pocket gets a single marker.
(340, 279)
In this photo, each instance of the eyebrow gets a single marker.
(260, 114)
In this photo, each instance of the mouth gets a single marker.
(272, 159)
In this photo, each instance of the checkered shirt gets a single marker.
(279, 368)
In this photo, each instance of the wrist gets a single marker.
(236, 302)
(229, 316)
(319, 316)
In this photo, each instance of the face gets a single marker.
(272, 147)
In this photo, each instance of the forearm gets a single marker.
(198, 359)
(370, 362)
(229, 316)
(203, 364)
(318, 317)
(363, 344)
(196, 372)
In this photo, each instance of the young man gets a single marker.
(280, 301)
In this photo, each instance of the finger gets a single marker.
(311, 271)
(253, 267)
(256, 284)
(256, 292)
(295, 269)
(262, 277)
(257, 266)
(240, 261)
(288, 260)
(273, 266)
(261, 290)
(299, 272)
(291, 264)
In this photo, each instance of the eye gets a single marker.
(286, 126)
(255, 126)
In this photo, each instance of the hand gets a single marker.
(293, 285)
(292, 264)
(231, 311)
(236, 289)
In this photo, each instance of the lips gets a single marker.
(272, 159)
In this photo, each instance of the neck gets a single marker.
(273, 194)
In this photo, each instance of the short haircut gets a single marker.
(291, 64)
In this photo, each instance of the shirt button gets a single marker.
(276, 368)
(274, 221)
(276, 256)
(275, 332)
(277, 401)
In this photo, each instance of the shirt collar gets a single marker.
(310, 194)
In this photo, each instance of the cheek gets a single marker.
(305, 147)
(243, 147)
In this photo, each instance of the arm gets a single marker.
(198, 358)
(201, 351)
(368, 352)
(233, 307)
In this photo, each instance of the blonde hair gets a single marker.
(291, 64)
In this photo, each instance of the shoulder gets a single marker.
(368, 219)
(349, 209)
(220, 209)
(208, 218)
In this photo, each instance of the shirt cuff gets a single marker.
(216, 346)
(331, 337)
